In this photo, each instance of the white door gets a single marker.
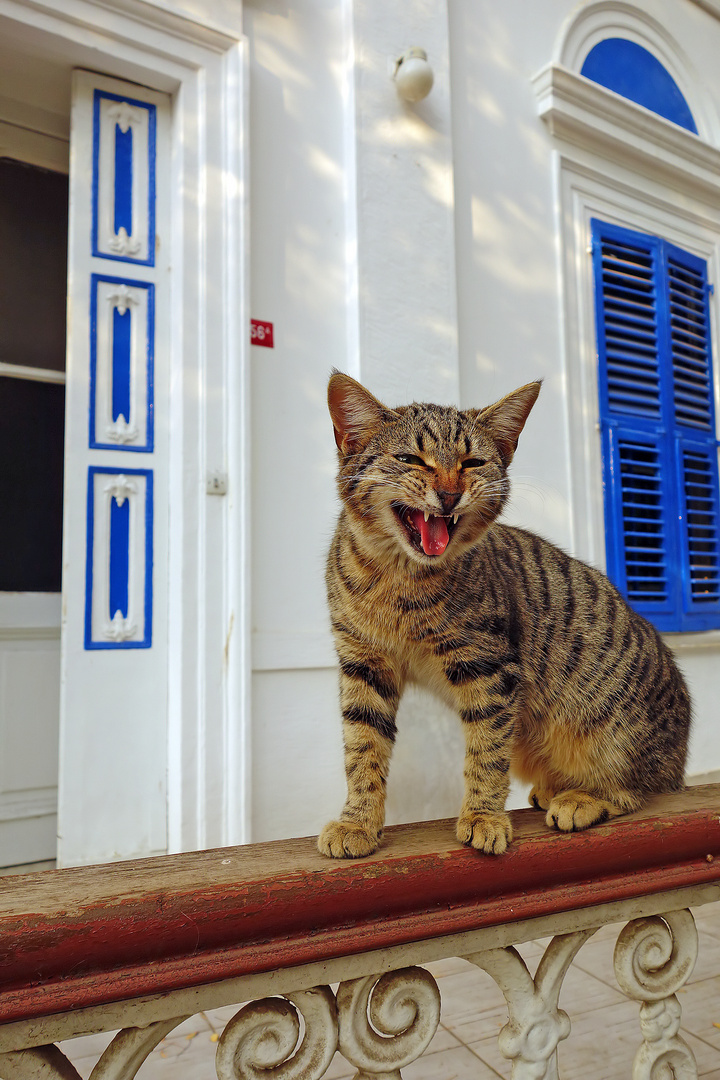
(113, 714)
(33, 242)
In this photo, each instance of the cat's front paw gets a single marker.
(489, 832)
(345, 840)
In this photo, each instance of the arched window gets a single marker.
(641, 253)
(632, 71)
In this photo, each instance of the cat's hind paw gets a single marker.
(541, 798)
(488, 832)
(571, 811)
(345, 840)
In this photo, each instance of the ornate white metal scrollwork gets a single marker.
(262, 1041)
(46, 1062)
(130, 1048)
(535, 1025)
(119, 1061)
(387, 1021)
(654, 957)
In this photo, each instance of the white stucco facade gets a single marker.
(435, 252)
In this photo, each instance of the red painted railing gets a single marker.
(90, 936)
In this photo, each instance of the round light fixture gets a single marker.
(413, 75)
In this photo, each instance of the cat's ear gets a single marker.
(506, 418)
(355, 413)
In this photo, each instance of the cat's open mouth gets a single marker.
(428, 533)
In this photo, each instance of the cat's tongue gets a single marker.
(434, 534)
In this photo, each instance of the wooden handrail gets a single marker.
(76, 938)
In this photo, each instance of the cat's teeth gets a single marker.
(455, 518)
(427, 514)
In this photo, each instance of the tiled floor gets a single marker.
(605, 1030)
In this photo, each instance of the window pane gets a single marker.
(33, 280)
(31, 476)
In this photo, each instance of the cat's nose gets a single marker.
(449, 500)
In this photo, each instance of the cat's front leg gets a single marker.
(487, 711)
(369, 696)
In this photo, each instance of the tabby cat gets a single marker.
(553, 675)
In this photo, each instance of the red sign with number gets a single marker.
(261, 333)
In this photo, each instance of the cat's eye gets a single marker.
(410, 459)
(473, 463)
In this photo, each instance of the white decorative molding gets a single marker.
(137, 185)
(103, 627)
(24, 371)
(125, 116)
(30, 617)
(711, 6)
(135, 301)
(123, 298)
(119, 628)
(120, 488)
(34, 147)
(120, 431)
(30, 803)
(122, 244)
(586, 114)
(596, 21)
(150, 18)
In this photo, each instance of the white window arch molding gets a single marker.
(581, 33)
(587, 114)
(203, 67)
(621, 163)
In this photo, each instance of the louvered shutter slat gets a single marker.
(629, 339)
(701, 525)
(689, 337)
(641, 485)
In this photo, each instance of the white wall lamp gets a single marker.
(413, 75)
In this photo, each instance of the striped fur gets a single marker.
(553, 676)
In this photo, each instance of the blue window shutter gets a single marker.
(641, 556)
(690, 341)
(700, 521)
(660, 469)
(694, 432)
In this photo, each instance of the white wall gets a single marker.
(507, 268)
(299, 283)
(378, 227)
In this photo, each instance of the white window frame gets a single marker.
(204, 68)
(619, 162)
